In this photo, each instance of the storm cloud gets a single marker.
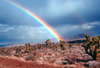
(66, 17)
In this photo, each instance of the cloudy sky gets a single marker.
(66, 17)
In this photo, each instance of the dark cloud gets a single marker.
(67, 18)
(96, 29)
(54, 12)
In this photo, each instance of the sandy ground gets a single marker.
(12, 63)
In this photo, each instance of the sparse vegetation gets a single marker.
(92, 46)
(63, 48)
(51, 52)
(31, 57)
(62, 44)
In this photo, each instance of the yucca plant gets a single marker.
(63, 48)
(62, 44)
(92, 45)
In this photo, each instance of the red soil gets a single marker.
(12, 63)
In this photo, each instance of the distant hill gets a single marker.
(75, 37)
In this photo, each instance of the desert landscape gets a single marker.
(49, 33)
(49, 55)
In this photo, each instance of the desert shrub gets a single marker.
(22, 52)
(62, 44)
(30, 49)
(54, 46)
(63, 48)
(2, 49)
(47, 42)
(7, 52)
(23, 48)
(39, 46)
(18, 55)
(18, 50)
(70, 45)
(26, 46)
(27, 51)
(29, 45)
(35, 48)
(31, 57)
(34, 53)
(48, 46)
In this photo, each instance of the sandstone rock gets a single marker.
(92, 63)
(13, 52)
(41, 58)
(85, 55)
(49, 53)
(58, 62)
(73, 66)
(45, 58)
(70, 61)
(48, 58)
(52, 60)
(39, 62)
(73, 58)
(53, 55)
(57, 54)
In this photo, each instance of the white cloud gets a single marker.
(5, 28)
(57, 8)
(73, 29)
(89, 25)
(26, 32)
(41, 33)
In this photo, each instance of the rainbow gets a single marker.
(41, 21)
(80, 18)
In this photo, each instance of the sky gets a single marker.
(66, 17)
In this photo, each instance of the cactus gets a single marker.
(62, 44)
(27, 51)
(92, 45)
(16, 50)
(47, 42)
(63, 48)
(35, 47)
(29, 45)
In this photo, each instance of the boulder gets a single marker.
(81, 59)
(45, 58)
(41, 58)
(70, 61)
(39, 62)
(58, 62)
(52, 60)
(92, 63)
(65, 62)
(49, 53)
(73, 66)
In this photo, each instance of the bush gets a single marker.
(34, 53)
(7, 52)
(18, 55)
(2, 49)
(31, 57)
(63, 48)
(27, 51)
